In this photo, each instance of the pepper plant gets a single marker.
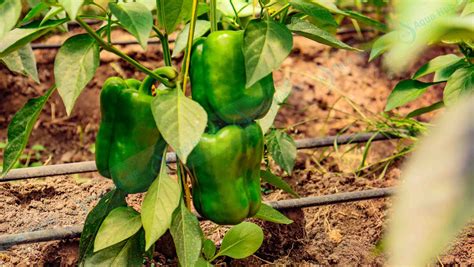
(231, 48)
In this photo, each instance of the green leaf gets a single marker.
(243, 8)
(20, 128)
(208, 248)
(172, 13)
(135, 18)
(366, 20)
(280, 96)
(19, 37)
(180, 120)
(71, 6)
(310, 31)
(460, 84)
(278, 182)
(468, 9)
(158, 205)
(283, 149)
(53, 12)
(241, 241)
(22, 61)
(10, 11)
(323, 18)
(125, 253)
(443, 74)
(266, 45)
(96, 216)
(436, 64)
(187, 235)
(75, 65)
(423, 110)
(405, 92)
(203, 263)
(270, 214)
(202, 26)
(382, 44)
(121, 224)
(442, 166)
(35, 11)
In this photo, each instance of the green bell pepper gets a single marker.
(218, 80)
(129, 147)
(225, 170)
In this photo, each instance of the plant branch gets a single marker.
(164, 44)
(283, 8)
(192, 27)
(213, 15)
(112, 49)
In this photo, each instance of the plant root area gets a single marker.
(334, 91)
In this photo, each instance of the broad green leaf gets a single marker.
(158, 205)
(241, 241)
(125, 253)
(310, 31)
(75, 65)
(382, 44)
(366, 20)
(203, 263)
(22, 61)
(135, 18)
(405, 92)
(281, 94)
(423, 110)
(172, 13)
(20, 128)
(266, 45)
(422, 226)
(436, 64)
(329, 4)
(283, 149)
(35, 11)
(121, 224)
(96, 216)
(10, 11)
(180, 120)
(461, 83)
(270, 214)
(243, 8)
(53, 12)
(443, 74)
(278, 182)
(19, 37)
(468, 9)
(202, 26)
(187, 235)
(71, 6)
(323, 18)
(150, 4)
(208, 248)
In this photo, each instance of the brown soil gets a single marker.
(344, 234)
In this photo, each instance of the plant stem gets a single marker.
(187, 193)
(112, 49)
(283, 8)
(213, 15)
(192, 26)
(164, 44)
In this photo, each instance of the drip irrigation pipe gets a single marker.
(89, 166)
(69, 232)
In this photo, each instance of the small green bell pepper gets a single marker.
(218, 80)
(129, 147)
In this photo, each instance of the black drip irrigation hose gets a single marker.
(70, 232)
(89, 166)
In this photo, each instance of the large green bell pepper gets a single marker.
(225, 170)
(218, 80)
(129, 147)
